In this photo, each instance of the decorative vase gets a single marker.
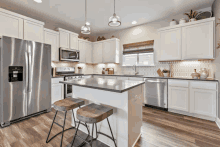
(173, 23)
(195, 75)
(182, 21)
(204, 73)
(166, 74)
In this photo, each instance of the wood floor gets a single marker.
(160, 129)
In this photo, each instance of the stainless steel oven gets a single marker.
(156, 92)
(69, 55)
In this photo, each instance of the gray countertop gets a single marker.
(112, 85)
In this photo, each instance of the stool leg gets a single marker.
(111, 132)
(96, 130)
(63, 128)
(74, 118)
(75, 134)
(51, 126)
(92, 134)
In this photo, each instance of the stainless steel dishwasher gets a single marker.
(156, 92)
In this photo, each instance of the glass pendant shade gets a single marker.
(85, 29)
(114, 21)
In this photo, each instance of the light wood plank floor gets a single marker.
(160, 129)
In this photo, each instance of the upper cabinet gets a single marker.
(68, 39)
(52, 37)
(110, 53)
(106, 51)
(193, 40)
(170, 44)
(198, 41)
(97, 52)
(85, 48)
(33, 30)
(11, 25)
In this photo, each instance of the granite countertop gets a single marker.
(112, 85)
(144, 76)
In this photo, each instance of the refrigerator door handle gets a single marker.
(27, 70)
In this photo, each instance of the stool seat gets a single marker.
(93, 113)
(68, 104)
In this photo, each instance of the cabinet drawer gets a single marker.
(204, 85)
(178, 83)
(56, 80)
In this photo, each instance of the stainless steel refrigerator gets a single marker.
(25, 79)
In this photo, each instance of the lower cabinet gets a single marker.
(193, 98)
(203, 102)
(178, 98)
(57, 90)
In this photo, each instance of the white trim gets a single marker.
(63, 30)
(218, 122)
(136, 140)
(107, 40)
(51, 31)
(187, 24)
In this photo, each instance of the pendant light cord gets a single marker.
(114, 6)
(85, 10)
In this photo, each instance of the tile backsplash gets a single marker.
(177, 68)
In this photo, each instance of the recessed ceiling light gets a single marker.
(87, 23)
(38, 1)
(134, 22)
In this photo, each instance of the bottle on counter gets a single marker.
(195, 75)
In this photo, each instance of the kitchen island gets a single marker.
(124, 96)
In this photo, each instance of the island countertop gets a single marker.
(112, 85)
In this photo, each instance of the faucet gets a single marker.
(135, 68)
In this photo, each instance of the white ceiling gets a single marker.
(71, 12)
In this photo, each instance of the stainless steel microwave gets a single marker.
(69, 55)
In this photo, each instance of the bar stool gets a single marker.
(65, 105)
(93, 114)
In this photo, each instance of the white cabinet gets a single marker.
(34, 30)
(130, 59)
(68, 39)
(198, 41)
(82, 54)
(122, 78)
(88, 52)
(170, 45)
(11, 26)
(193, 40)
(97, 52)
(73, 41)
(110, 51)
(203, 97)
(193, 98)
(178, 98)
(57, 90)
(106, 51)
(136, 79)
(52, 37)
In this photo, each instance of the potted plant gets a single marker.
(166, 72)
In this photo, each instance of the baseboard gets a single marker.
(136, 140)
(218, 122)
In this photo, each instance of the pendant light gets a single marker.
(114, 21)
(85, 29)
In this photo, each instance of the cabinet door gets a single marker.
(73, 41)
(170, 45)
(108, 52)
(82, 54)
(33, 31)
(178, 98)
(198, 41)
(52, 39)
(97, 52)
(64, 39)
(203, 102)
(11, 26)
(122, 78)
(57, 92)
(88, 50)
